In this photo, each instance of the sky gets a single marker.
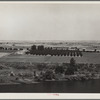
(49, 21)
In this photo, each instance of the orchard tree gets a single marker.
(33, 47)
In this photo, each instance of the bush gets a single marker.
(41, 66)
(69, 71)
(59, 69)
(49, 75)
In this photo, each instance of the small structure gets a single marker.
(12, 74)
(21, 52)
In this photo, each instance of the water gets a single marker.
(90, 86)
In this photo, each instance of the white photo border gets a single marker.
(51, 95)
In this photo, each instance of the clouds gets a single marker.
(29, 21)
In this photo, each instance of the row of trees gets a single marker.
(40, 50)
(10, 48)
(56, 52)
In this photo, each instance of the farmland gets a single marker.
(16, 66)
(86, 58)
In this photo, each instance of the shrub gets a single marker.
(59, 69)
(49, 75)
(41, 66)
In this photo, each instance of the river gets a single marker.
(90, 86)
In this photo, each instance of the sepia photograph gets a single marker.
(49, 47)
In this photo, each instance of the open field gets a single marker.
(88, 45)
(86, 58)
(3, 54)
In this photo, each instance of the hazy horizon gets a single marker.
(49, 22)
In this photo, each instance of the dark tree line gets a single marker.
(10, 48)
(41, 50)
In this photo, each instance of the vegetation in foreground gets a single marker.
(26, 73)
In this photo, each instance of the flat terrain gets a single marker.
(3, 54)
(17, 68)
(86, 58)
